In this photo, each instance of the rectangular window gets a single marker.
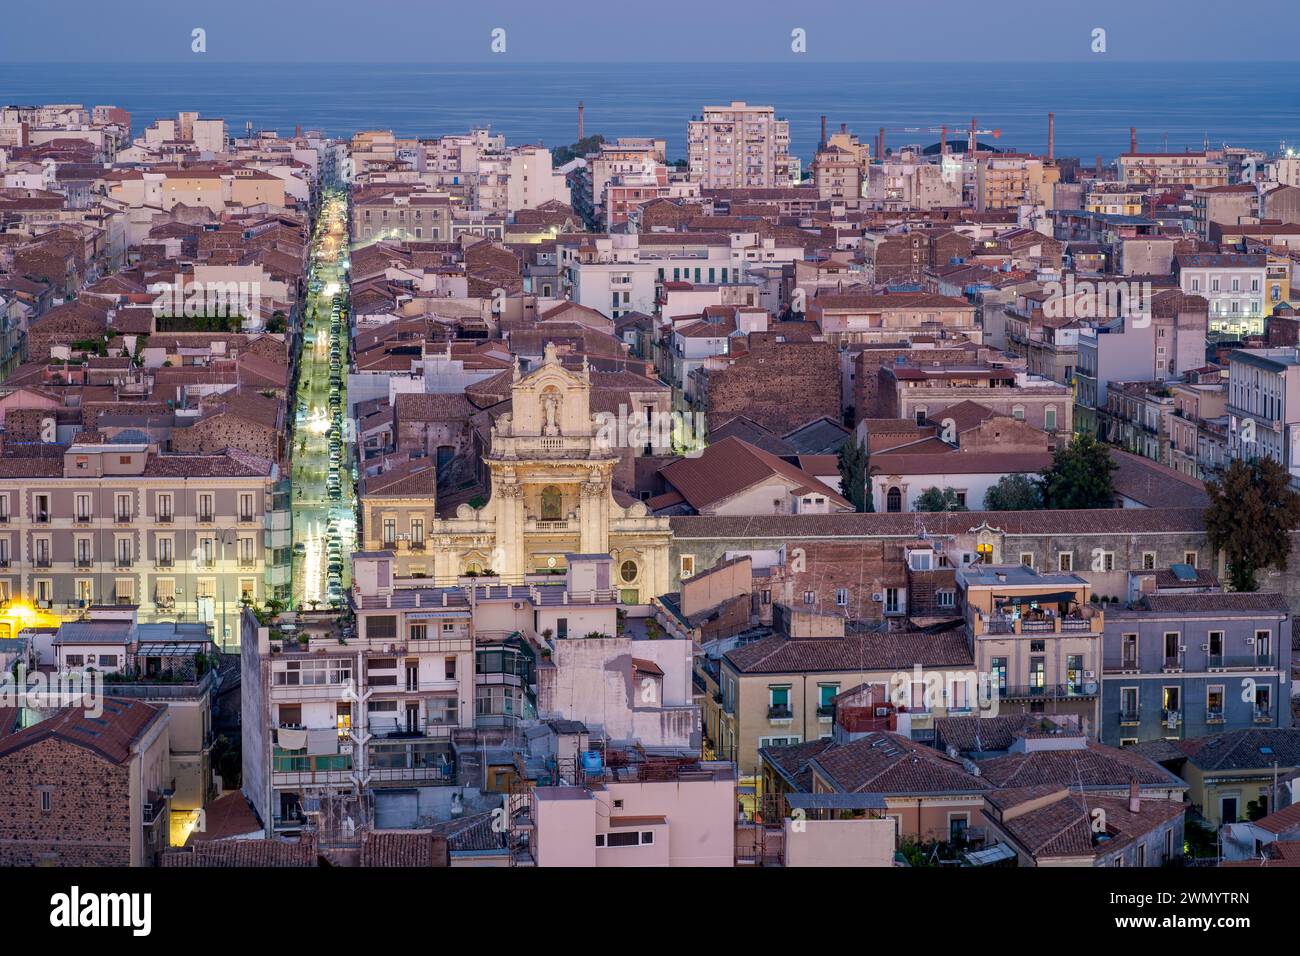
(1065, 561)
(686, 566)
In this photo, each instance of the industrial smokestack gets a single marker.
(580, 111)
(823, 143)
(943, 141)
(1132, 139)
(1051, 137)
(1098, 166)
(974, 136)
(880, 144)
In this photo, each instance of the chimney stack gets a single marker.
(1098, 177)
(943, 141)
(974, 136)
(580, 110)
(1051, 137)
(880, 144)
(1134, 799)
(1132, 139)
(823, 143)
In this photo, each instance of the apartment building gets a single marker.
(1198, 431)
(166, 664)
(1263, 405)
(779, 690)
(1181, 665)
(921, 393)
(860, 317)
(740, 146)
(326, 715)
(1225, 205)
(1199, 169)
(401, 214)
(907, 181)
(650, 813)
(183, 537)
(1138, 417)
(1234, 285)
(84, 790)
(621, 273)
(1008, 181)
(1114, 199)
(1037, 637)
(398, 506)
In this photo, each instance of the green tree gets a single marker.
(855, 469)
(1080, 476)
(564, 154)
(1013, 493)
(936, 499)
(1251, 516)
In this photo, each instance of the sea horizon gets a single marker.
(1175, 105)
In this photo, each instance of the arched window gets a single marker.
(551, 503)
(894, 499)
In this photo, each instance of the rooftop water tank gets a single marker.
(591, 762)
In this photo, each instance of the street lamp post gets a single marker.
(221, 573)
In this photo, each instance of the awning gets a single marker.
(994, 854)
(1055, 597)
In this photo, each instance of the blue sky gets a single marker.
(658, 31)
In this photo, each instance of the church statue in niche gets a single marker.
(551, 411)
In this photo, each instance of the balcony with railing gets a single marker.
(1086, 620)
(780, 712)
(1129, 717)
(1224, 662)
(1082, 690)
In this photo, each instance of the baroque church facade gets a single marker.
(551, 495)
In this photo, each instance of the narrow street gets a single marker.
(324, 519)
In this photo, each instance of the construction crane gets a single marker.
(972, 135)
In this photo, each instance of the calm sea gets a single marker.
(1095, 102)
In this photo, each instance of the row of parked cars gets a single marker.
(337, 463)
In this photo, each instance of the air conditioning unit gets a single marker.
(882, 711)
(43, 603)
(1250, 642)
(877, 597)
(1205, 647)
(1089, 675)
(1182, 648)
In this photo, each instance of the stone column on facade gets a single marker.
(593, 536)
(508, 550)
